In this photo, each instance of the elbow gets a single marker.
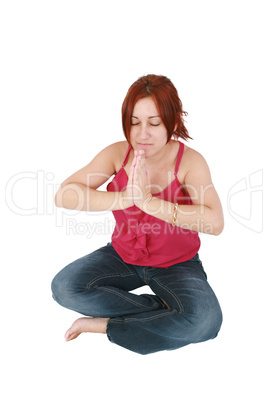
(58, 199)
(218, 228)
(70, 196)
(218, 231)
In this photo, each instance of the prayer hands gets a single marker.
(138, 191)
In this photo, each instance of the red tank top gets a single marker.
(142, 239)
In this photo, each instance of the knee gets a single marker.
(207, 325)
(61, 289)
(56, 288)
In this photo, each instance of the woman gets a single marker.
(161, 197)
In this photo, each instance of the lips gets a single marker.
(144, 145)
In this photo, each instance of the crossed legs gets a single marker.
(183, 310)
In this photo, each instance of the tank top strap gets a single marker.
(126, 157)
(180, 153)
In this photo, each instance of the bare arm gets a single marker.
(79, 191)
(205, 215)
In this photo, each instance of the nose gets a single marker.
(144, 132)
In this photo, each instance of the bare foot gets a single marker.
(86, 324)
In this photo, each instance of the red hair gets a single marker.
(166, 99)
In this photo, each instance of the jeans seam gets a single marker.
(172, 294)
(144, 275)
(107, 276)
(114, 320)
(124, 297)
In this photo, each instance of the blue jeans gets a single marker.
(99, 285)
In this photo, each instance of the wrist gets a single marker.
(125, 200)
(145, 205)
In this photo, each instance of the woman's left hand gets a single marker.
(140, 180)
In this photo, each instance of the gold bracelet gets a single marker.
(175, 212)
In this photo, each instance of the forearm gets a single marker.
(198, 218)
(83, 198)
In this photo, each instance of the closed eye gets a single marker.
(151, 124)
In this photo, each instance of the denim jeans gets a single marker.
(100, 284)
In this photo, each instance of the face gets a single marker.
(147, 129)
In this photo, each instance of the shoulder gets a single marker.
(190, 155)
(195, 167)
(193, 159)
(116, 152)
(107, 159)
(116, 147)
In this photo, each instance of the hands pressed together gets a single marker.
(138, 190)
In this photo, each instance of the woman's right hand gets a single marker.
(126, 197)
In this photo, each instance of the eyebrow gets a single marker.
(150, 117)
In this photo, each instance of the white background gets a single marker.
(65, 69)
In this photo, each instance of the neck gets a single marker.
(160, 158)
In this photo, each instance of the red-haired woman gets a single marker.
(161, 196)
